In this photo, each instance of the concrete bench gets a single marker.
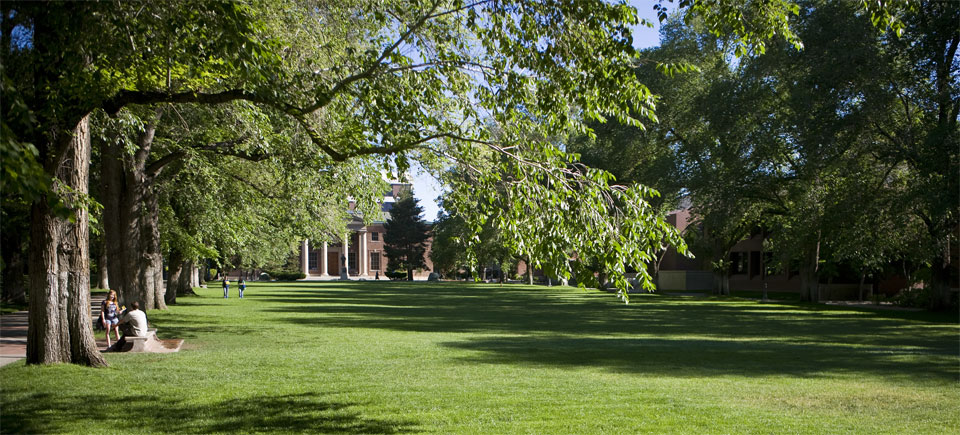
(139, 343)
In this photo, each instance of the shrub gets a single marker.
(920, 298)
(281, 275)
(396, 275)
(912, 298)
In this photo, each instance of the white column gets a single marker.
(323, 261)
(364, 257)
(305, 256)
(344, 259)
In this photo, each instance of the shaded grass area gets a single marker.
(395, 357)
(10, 307)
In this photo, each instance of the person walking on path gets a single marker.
(108, 315)
(243, 286)
(226, 286)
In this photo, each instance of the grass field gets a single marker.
(452, 358)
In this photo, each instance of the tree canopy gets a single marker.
(810, 147)
(367, 85)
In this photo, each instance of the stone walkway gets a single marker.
(13, 333)
(13, 337)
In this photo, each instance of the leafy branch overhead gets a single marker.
(368, 86)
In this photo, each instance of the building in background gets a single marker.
(359, 253)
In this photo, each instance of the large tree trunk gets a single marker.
(59, 320)
(657, 261)
(721, 282)
(721, 271)
(177, 272)
(810, 273)
(721, 266)
(103, 278)
(182, 276)
(194, 275)
(940, 293)
(809, 278)
(131, 224)
(863, 277)
(530, 272)
(809, 284)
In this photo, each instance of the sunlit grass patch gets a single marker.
(388, 357)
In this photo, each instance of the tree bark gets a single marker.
(721, 282)
(103, 278)
(940, 279)
(131, 224)
(658, 260)
(181, 278)
(188, 278)
(808, 284)
(59, 320)
(809, 279)
(177, 272)
(863, 277)
(530, 271)
(810, 273)
(194, 275)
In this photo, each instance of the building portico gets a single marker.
(356, 254)
(348, 259)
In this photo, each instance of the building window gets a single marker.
(375, 236)
(374, 260)
(755, 261)
(738, 263)
(312, 261)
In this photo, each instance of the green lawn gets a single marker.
(450, 358)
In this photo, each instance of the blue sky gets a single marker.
(426, 188)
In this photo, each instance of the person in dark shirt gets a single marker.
(109, 311)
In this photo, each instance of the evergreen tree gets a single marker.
(405, 236)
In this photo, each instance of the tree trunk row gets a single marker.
(131, 224)
(103, 280)
(183, 277)
(59, 320)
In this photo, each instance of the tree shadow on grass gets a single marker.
(302, 413)
(705, 335)
(192, 326)
(678, 357)
(478, 310)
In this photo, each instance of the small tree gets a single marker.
(405, 236)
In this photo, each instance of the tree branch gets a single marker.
(126, 97)
(367, 72)
(253, 186)
(453, 11)
(154, 168)
(460, 63)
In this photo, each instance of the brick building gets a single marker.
(751, 268)
(359, 253)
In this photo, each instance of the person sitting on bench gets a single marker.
(134, 322)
